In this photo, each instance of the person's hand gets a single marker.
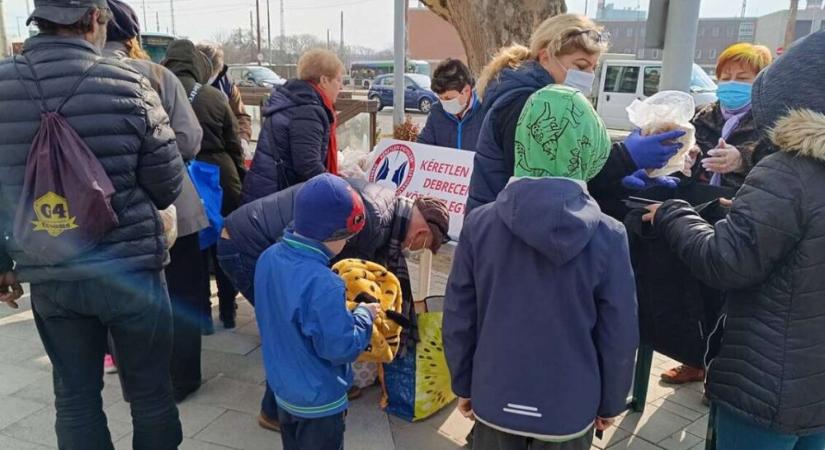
(641, 180)
(727, 203)
(690, 160)
(651, 212)
(654, 151)
(723, 159)
(373, 308)
(465, 407)
(603, 424)
(10, 289)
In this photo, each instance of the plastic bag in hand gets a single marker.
(666, 111)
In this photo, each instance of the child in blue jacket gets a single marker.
(309, 338)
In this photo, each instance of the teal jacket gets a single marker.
(309, 338)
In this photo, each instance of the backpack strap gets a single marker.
(195, 90)
(44, 108)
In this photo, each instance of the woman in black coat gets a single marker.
(769, 254)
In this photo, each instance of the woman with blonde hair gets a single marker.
(297, 140)
(564, 49)
(728, 140)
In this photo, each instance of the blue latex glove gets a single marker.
(649, 152)
(641, 180)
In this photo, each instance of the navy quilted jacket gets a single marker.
(292, 147)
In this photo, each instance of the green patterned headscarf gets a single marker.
(559, 134)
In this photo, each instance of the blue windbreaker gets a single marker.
(309, 339)
(446, 130)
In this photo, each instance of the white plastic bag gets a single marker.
(666, 111)
(352, 163)
(169, 217)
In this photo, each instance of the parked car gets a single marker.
(417, 94)
(254, 76)
(619, 82)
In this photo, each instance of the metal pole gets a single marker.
(19, 28)
(4, 50)
(327, 38)
(680, 45)
(157, 21)
(342, 33)
(268, 33)
(399, 63)
(252, 29)
(258, 11)
(172, 7)
(145, 20)
(283, 28)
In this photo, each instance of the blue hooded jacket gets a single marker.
(292, 147)
(495, 151)
(308, 337)
(447, 130)
(540, 322)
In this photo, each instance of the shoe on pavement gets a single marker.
(683, 374)
(109, 364)
(268, 423)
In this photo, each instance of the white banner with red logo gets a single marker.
(415, 169)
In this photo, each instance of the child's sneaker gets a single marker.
(109, 364)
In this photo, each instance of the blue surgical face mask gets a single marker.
(734, 94)
(580, 80)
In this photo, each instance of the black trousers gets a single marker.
(486, 438)
(226, 290)
(323, 433)
(73, 320)
(186, 274)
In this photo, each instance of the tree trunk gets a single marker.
(790, 28)
(486, 25)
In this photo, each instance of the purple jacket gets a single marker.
(540, 324)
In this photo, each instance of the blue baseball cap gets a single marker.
(327, 209)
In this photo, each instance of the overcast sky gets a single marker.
(366, 22)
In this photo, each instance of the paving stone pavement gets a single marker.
(222, 414)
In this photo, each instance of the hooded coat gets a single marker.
(447, 130)
(768, 254)
(220, 145)
(292, 147)
(540, 326)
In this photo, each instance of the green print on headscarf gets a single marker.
(559, 134)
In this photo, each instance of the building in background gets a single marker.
(771, 27)
(432, 38)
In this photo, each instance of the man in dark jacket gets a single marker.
(220, 146)
(768, 255)
(118, 286)
(504, 100)
(455, 121)
(393, 225)
(298, 130)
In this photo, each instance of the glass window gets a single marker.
(640, 53)
(700, 81)
(712, 54)
(629, 32)
(651, 80)
(388, 81)
(701, 31)
(655, 53)
(423, 81)
(730, 31)
(621, 79)
(715, 32)
(699, 54)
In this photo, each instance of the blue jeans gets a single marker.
(237, 267)
(324, 433)
(73, 320)
(735, 432)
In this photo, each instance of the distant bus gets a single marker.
(362, 73)
(156, 44)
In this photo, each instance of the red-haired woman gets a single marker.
(728, 140)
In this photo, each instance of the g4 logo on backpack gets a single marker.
(52, 213)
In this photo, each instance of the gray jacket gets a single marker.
(122, 121)
(188, 132)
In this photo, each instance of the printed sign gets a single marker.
(52, 213)
(415, 169)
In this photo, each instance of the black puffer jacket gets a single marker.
(221, 145)
(121, 119)
(769, 255)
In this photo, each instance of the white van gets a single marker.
(620, 81)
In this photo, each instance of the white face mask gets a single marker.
(454, 106)
(408, 253)
(578, 79)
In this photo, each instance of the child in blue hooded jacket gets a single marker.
(309, 339)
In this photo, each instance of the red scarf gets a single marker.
(332, 148)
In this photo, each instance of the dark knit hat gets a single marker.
(124, 24)
(328, 209)
(438, 219)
